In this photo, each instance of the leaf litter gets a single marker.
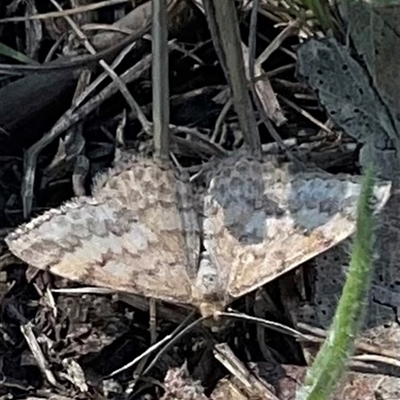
(93, 326)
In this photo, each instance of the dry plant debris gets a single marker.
(81, 338)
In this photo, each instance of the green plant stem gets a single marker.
(330, 363)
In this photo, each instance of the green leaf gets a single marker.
(16, 55)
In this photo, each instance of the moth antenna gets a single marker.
(178, 335)
(169, 340)
(275, 326)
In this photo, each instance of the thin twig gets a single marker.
(221, 117)
(306, 114)
(117, 80)
(69, 118)
(289, 31)
(253, 386)
(37, 353)
(64, 13)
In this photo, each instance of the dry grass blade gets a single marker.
(160, 79)
(254, 387)
(74, 115)
(116, 79)
(38, 354)
(222, 14)
(69, 118)
(258, 80)
(64, 13)
(234, 227)
(138, 22)
(261, 89)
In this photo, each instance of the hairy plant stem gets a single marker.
(330, 363)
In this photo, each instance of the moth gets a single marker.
(147, 231)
